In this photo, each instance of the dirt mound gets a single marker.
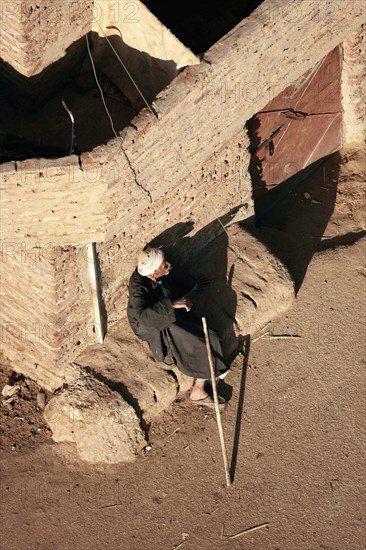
(86, 412)
(22, 423)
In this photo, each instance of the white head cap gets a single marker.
(149, 261)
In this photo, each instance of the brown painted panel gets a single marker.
(299, 126)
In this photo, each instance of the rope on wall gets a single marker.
(138, 184)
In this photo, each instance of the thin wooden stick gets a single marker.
(175, 431)
(216, 400)
(260, 337)
(281, 336)
(265, 326)
(111, 505)
(249, 530)
(268, 336)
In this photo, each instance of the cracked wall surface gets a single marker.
(212, 190)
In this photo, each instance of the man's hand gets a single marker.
(182, 303)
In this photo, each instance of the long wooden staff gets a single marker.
(216, 400)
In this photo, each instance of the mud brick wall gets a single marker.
(207, 104)
(353, 86)
(35, 34)
(213, 189)
(140, 30)
(54, 201)
(46, 313)
(41, 47)
(26, 281)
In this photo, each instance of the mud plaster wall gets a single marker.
(148, 50)
(353, 86)
(141, 30)
(46, 317)
(207, 104)
(34, 34)
(43, 47)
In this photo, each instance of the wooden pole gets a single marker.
(91, 254)
(216, 400)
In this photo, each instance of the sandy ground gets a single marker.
(295, 431)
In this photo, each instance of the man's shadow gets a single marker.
(239, 411)
(205, 256)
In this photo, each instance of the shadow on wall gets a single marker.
(149, 73)
(295, 164)
(205, 256)
(34, 123)
(290, 221)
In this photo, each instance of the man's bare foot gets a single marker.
(197, 395)
(198, 390)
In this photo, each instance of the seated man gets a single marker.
(159, 312)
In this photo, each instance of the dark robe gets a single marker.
(168, 330)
